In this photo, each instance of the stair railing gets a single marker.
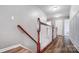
(39, 23)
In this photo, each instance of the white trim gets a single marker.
(73, 42)
(14, 46)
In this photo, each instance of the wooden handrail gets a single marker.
(44, 24)
(26, 33)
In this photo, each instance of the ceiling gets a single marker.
(56, 11)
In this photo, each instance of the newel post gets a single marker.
(38, 35)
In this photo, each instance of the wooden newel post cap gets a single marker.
(38, 25)
(38, 18)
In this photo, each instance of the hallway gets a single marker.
(59, 45)
(31, 28)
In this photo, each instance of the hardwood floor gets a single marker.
(59, 45)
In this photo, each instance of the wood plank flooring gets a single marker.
(59, 45)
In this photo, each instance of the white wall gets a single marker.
(74, 10)
(25, 16)
(74, 26)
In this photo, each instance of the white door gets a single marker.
(59, 26)
(66, 28)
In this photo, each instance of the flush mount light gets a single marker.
(57, 15)
(54, 8)
(12, 17)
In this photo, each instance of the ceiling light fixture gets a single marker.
(54, 8)
(57, 15)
